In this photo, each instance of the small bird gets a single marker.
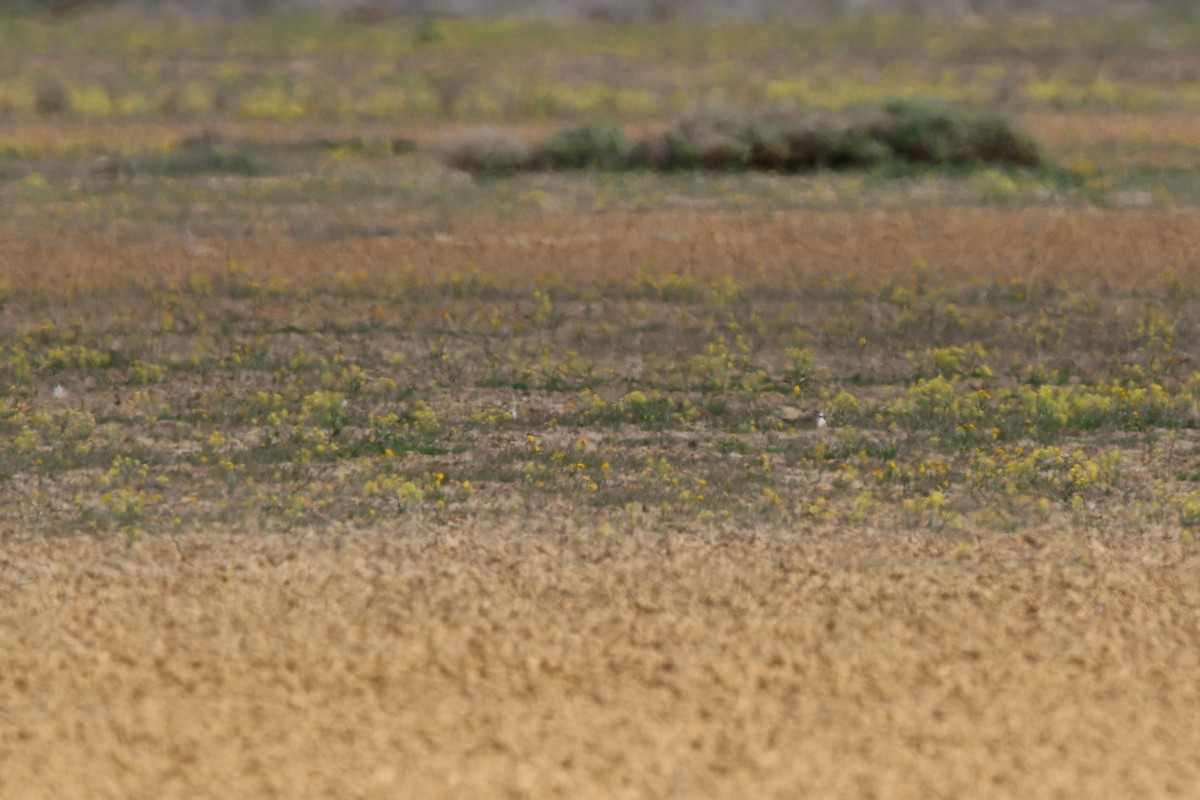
(803, 419)
(58, 392)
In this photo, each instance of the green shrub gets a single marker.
(679, 152)
(722, 140)
(600, 145)
(907, 132)
(992, 140)
(929, 133)
(825, 146)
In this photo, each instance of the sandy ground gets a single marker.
(485, 662)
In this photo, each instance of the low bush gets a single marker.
(718, 141)
(598, 146)
(931, 133)
(904, 132)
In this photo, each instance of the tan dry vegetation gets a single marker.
(1059, 131)
(1080, 248)
(504, 662)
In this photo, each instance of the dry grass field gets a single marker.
(328, 470)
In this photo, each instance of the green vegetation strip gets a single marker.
(664, 402)
(903, 132)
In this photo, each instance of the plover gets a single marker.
(803, 419)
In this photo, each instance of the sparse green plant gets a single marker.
(799, 367)
(952, 362)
